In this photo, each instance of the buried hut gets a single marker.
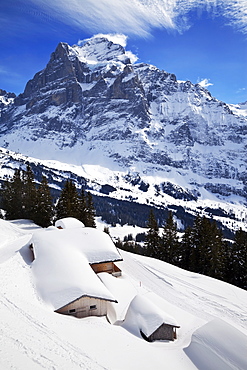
(151, 322)
(65, 273)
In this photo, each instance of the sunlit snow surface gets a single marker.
(211, 314)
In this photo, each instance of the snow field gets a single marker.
(212, 316)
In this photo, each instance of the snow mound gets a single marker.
(143, 315)
(12, 239)
(122, 289)
(62, 264)
(68, 223)
(9, 232)
(218, 345)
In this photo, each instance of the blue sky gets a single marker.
(197, 40)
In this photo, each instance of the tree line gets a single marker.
(22, 198)
(201, 248)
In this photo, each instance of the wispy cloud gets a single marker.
(241, 90)
(205, 82)
(3, 71)
(140, 16)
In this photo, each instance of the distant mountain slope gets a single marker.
(130, 126)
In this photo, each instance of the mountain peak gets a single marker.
(101, 49)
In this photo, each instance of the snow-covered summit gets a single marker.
(100, 50)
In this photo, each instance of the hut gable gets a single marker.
(163, 332)
(85, 306)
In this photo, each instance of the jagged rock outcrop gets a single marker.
(6, 98)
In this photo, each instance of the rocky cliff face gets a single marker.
(92, 105)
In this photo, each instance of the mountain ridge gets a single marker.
(94, 107)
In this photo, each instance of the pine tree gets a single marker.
(186, 249)
(217, 248)
(152, 240)
(83, 207)
(90, 211)
(207, 248)
(13, 197)
(44, 207)
(29, 195)
(169, 246)
(239, 259)
(68, 204)
(199, 258)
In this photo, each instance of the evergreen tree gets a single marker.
(90, 211)
(152, 240)
(83, 207)
(169, 246)
(199, 257)
(44, 207)
(68, 204)
(106, 230)
(216, 252)
(239, 259)
(186, 249)
(87, 211)
(12, 197)
(29, 195)
(207, 248)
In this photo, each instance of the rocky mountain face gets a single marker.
(93, 105)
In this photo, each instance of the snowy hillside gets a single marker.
(211, 315)
(154, 189)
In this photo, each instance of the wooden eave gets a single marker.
(97, 263)
(89, 296)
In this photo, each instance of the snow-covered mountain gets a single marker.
(211, 315)
(130, 126)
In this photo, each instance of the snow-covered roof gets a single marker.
(147, 316)
(62, 264)
(123, 290)
(68, 223)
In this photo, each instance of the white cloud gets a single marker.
(205, 83)
(140, 16)
(241, 90)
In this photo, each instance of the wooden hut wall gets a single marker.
(164, 332)
(103, 267)
(109, 267)
(84, 307)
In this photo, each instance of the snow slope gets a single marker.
(212, 316)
